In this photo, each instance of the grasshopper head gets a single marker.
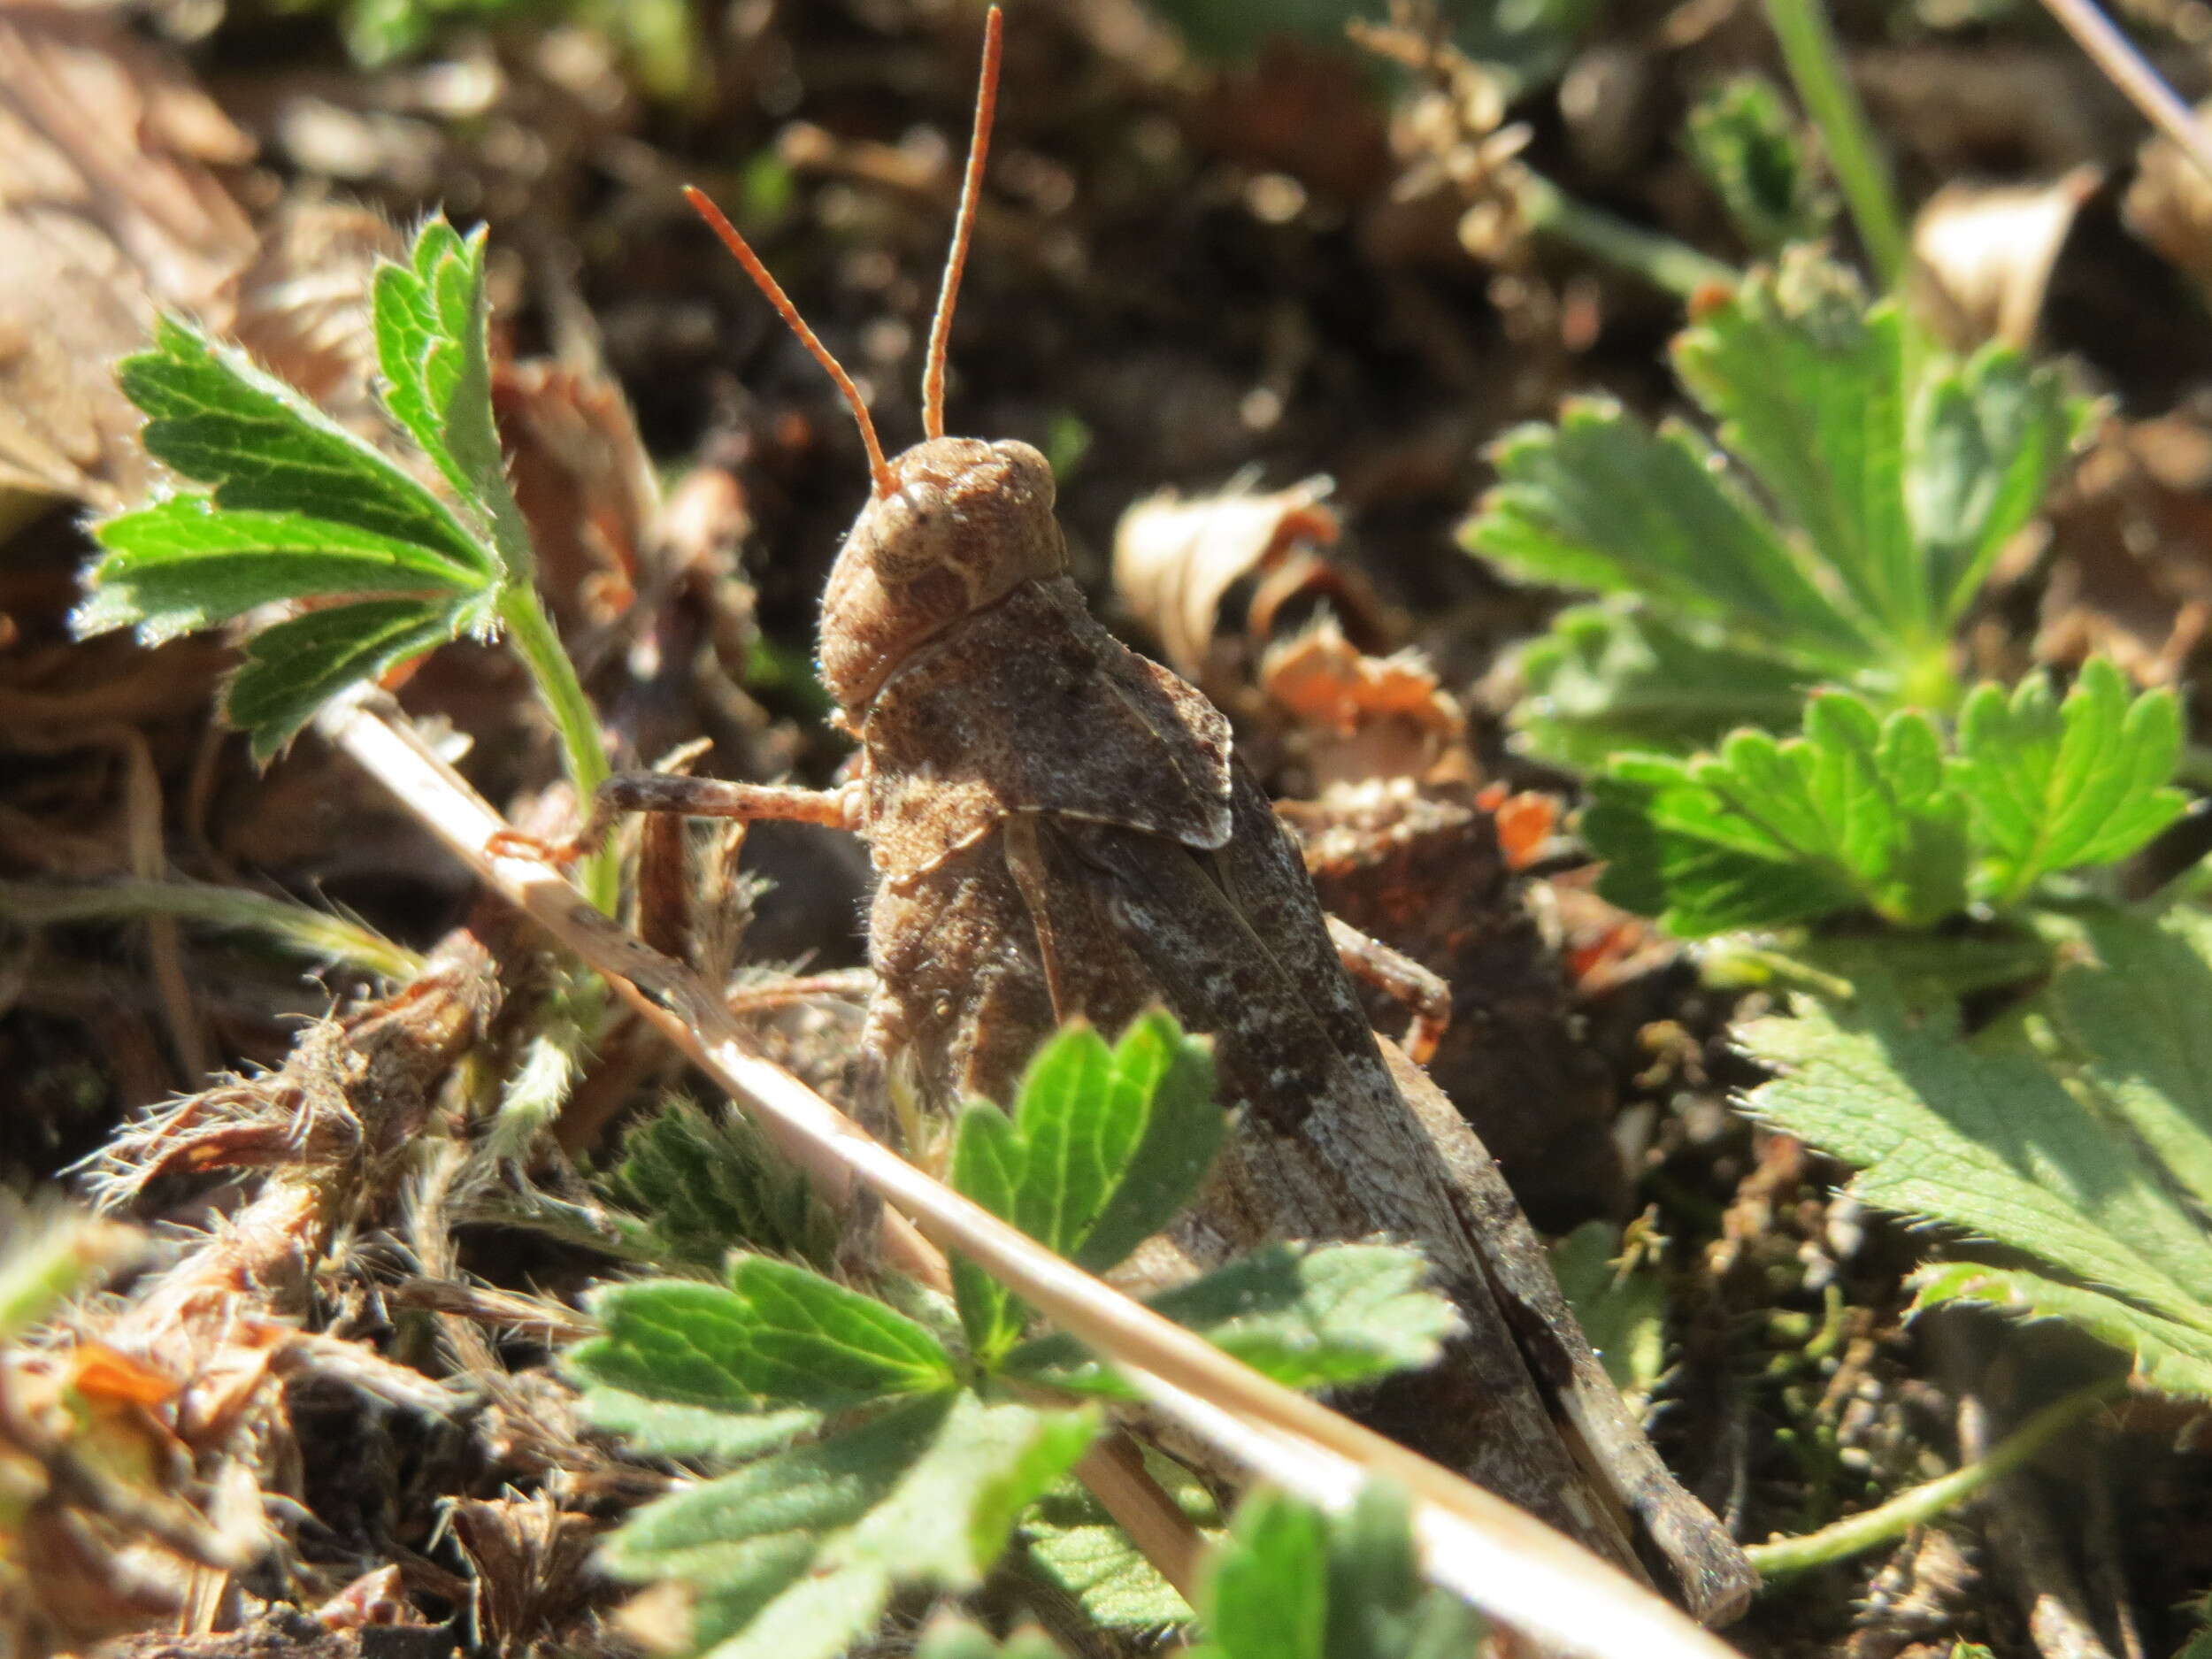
(966, 524)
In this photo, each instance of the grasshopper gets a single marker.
(1060, 828)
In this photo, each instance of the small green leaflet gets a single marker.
(2137, 1016)
(1856, 812)
(1623, 1313)
(1863, 483)
(1746, 142)
(796, 1555)
(302, 509)
(1615, 677)
(430, 344)
(1290, 1583)
(699, 1188)
(1072, 1541)
(1866, 812)
(1992, 1142)
(777, 1335)
(2054, 786)
(1308, 1316)
(1104, 1148)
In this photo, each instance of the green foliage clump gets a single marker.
(1860, 485)
(1864, 812)
(883, 1439)
(302, 509)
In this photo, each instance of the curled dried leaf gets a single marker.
(1214, 576)
(2169, 204)
(1359, 716)
(1988, 251)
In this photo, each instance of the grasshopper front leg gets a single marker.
(669, 792)
(1425, 997)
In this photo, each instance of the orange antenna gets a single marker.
(879, 469)
(963, 227)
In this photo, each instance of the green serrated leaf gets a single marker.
(658, 1429)
(704, 1186)
(1306, 1317)
(1379, 1607)
(213, 417)
(1609, 678)
(303, 510)
(1320, 1317)
(1748, 144)
(1292, 1584)
(2170, 1356)
(1600, 502)
(1856, 811)
(1075, 1544)
(1888, 476)
(796, 1557)
(1807, 383)
(779, 1335)
(1984, 443)
(2140, 1017)
(430, 317)
(292, 669)
(183, 564)
(1104, 1148)
(1991, 1143)
(2054, 785)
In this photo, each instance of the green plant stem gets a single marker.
(1814, 58)
(531, 631)
(1662, 261)
(1847, 1537)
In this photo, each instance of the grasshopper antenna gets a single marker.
(879, 469)
(964, 228)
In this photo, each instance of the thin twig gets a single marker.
(1508, 1564)
(2128, 70)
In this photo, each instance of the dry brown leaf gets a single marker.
(1424, 873)
(303, 303)
(583, 480)
(2170, 204)
(1988, 250)
(110, 209)
(529, 1555)
(1211, 575)
(1360, 716)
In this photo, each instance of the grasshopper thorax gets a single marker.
(967, 523)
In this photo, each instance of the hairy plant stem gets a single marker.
(1815, 59)
(1878, 1525)
(531, 631)
(1662, 261)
